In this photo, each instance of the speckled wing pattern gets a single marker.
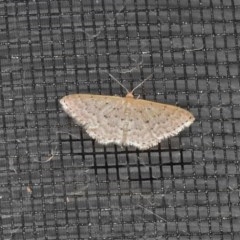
(126, 121)
(150, 122)
(99, 115)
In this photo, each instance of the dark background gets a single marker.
(56, 182)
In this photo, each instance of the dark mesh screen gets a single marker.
(58, 183)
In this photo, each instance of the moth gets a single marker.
(126, 121)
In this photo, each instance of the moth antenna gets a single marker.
(118, 82)
(141, 83)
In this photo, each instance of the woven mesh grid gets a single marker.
(56, 182)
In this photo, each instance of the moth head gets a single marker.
(130, 93)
